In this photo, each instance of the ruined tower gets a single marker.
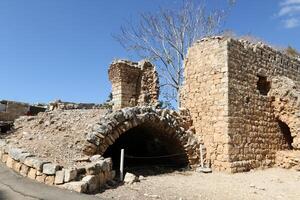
(133, 83)
(228, 91)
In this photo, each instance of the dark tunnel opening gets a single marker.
(287, 136)
(148, 151)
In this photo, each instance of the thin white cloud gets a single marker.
(289, 2)
(289, 13)
(291, 23)
(289, 10)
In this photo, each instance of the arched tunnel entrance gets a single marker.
(148, 150)
(286, 134)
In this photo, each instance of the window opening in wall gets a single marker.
(285, 130)
(263, 85)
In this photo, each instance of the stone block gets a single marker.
(49, 180)
(77, 186)
(17, 166)
(4, 158)
(10, 162)
(50, 168)
(41, 178)
(24, 170)
(93, 183)
(32, 173)
(59, 177)
(15, 153)
(70, 175)
(35, 163)
(92, 168)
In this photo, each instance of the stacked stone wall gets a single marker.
(13, 110)
(205, 95)
(89, 178)
(255, 135)
(226, 90)
(133, 84)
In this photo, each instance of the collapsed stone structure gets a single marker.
(133, 84)
(227, 91)
(241, 100)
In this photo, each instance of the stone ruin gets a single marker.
(133, 84)
(244, 102)
(11, 110)
(240, 100)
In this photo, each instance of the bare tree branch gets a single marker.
(164, 37)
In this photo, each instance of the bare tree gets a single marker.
(164, 38)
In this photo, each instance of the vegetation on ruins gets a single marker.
(164, 38)
(292, 52)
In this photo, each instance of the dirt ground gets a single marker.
(266, 184)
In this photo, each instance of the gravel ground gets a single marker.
(57, 136)
(275, 184)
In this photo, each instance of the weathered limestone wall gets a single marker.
(13, 110)
(254, 132)
(205, 95)
(286, 102)
(133, 84)
(226, 90)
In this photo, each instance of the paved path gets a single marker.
(15, 187)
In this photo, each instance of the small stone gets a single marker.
(15, 153)
(92, 183)
(4, 158)
(82, 159)
(77, 186)
(9, 162)
(70, 175)
(41, 178)
(24, 170)
(92, 168)
(130, 178)
(32, 173)
(96, 158)
(50, 169)
(49, 180)
(59, 177)
(17, 166)
(142, 177)
(35, 163)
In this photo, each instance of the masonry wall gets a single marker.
(13, 110)
(255, 135)
(232, 115)
(133, 84)
(205, 95)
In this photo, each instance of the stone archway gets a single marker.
(113, 125)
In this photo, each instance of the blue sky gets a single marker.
(61, 49)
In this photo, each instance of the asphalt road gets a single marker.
(14, 187)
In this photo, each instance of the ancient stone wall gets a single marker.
(254, 131)
(205, 95)
(133, 84)
(13, 110)
(227, 92)
(61, 105)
